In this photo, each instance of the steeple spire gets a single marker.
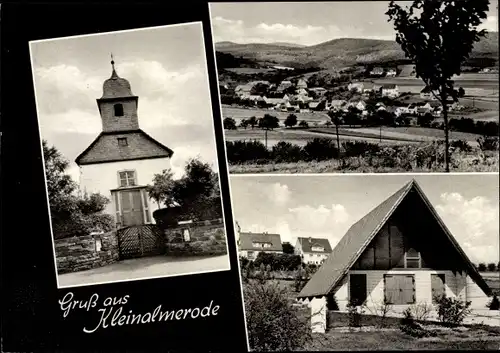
(113, 73)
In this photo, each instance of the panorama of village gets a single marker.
(374, 116)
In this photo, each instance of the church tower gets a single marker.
(118, 106)
(123, 159)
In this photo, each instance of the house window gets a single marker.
(413, 259)
(127, 178)
(317, 248)
(357, 289)
(399, 289)
(118, 109)
(437, 286)
(186, 235)
(122, 141)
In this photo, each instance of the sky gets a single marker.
(325, 206)
(166, 67)
(308, 23)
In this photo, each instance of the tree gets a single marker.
(252, 121)
(303, 124)
(425, 120)
(291, 120)
(244, 123)
(229, 124)
(161, 190)
(481, 267)
(492, 267)
(336, 116)
(438, 37)
(71, 214)
(461, 92)
(288, 248)
(268, 122)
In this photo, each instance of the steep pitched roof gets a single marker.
(247, 240)
(105, 148)
(359, 236)
(308, 243)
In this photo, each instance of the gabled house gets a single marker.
(301, 83)
(370, 87)
(251, 244)
(313, 251)
(302, 92)
(389, 90)
(243, 90)
(284, 85)
(338, 104)
(356, 86)
(360, 105)
(426, 93)
(389, 256)
(123, 159)
(391, 72)
(377, 72)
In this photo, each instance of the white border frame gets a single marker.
(210, 95)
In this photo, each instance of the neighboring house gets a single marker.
(273, 101)
(391, 73)
(356, 86)
(401, 110)
(338, 104)
(251, 244)
(388, 256)
(370, 87)
(426, 93)
(320, 91)
(123, 159)
(377, 71)
(243, 90)
(301, 83)
(360, 105)
(284, 85)
(389, 90)
(302, 92)
(313, 250)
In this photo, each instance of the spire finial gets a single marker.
(113, 73)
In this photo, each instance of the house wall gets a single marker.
(129, 120)
(103, 177)
(310, 258)
(206, 238)
(244, 253)
(80, 253)
(456, 285)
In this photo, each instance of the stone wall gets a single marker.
(80, 253)
(205, 238)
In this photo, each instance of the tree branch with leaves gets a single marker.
(438, 36)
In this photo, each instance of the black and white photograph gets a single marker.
(369, 262)
(358, 86)
(133, 189)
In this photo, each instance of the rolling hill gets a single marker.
(340, 52)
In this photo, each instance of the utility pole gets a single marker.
(265, 136)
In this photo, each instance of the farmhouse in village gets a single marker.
(251, 244)
(389, 255)
(313, 250)
(123, 159)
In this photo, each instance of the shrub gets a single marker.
(452, 311)
(481, 267)
(243, 151)
(319, 149)
(359, 148)
(494, 304)
(488, 143)
(410, 327)
(286, 152)
(492, 267)
(421, 311)
(461, 145)
(273, 323)
(303, 124)
(355, 313)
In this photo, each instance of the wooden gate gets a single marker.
(139, 241)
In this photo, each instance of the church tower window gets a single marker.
(118, 109)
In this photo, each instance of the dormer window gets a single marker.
(317, 248)
(118, 109)
(122, 141)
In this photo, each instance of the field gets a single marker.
(248, 70)
(238, 113)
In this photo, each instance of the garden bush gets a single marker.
(359, 148)
(278, 262)
(273, 323)
(355, 313)
(452, 311)
(461, 145)
(488, 143)
(412, 328)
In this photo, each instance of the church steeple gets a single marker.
(118, 105)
